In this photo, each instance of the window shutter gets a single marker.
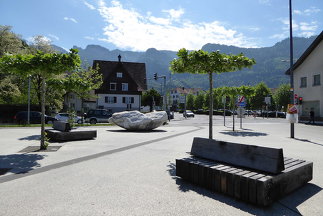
(132, 99)
(115, 99)
(123, 100)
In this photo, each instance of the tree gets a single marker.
(246, 91)
(282, 96)
(80, 82)
(46, 65)
(53, 95)
(149, 97)
(260, 92)
(190, 102)
(10, 43)
(202, 62)
(8, 91)
(199, 101)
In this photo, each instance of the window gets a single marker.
(303, 82)
(124, 86)
(119, 74)
(128, 100)
(113, 86)
(317, 80)
(111, 100)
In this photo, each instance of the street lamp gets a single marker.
(291, 64)
(28, 108)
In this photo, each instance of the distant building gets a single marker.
(307, 73)
(176, 93)
(123, 83)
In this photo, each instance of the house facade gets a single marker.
(123, 83)
(177, 93)
(308, 73)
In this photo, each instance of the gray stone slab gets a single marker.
(59, 136)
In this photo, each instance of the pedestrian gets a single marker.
(312, 116)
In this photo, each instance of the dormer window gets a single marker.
(119, 74)
(124, 86)
(113, 86)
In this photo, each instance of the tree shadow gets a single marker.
(31, 137)
(20, 163)
(134, 131)
(285, 206)
(243, 133)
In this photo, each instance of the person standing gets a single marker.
(312, 116)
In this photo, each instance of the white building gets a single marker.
(307, 73)
(177, 93)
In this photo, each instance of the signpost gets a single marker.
(241, 103)
(224, 100)
(268, 102)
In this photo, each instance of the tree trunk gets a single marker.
(43, 90)
(211, 107)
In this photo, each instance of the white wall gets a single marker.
(312, 65)
(119, 106)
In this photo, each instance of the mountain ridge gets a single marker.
(269, 67)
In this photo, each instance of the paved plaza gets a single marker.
(133, 173)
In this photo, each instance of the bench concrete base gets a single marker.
(59, 136)
(260, 188)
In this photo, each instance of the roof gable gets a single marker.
(136, 72)
(307, 52)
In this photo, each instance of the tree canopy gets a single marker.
(202, 62)
(43, 64)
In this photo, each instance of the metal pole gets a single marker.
(28, 109)
(224, 111)
(240, 117)
(165, 99)
(291, 63)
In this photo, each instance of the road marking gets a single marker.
(89, 157)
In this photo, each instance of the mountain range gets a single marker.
(271, 63)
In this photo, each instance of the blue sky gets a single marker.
(137, 25)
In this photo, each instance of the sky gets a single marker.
(137, 25)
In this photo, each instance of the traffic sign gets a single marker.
(241, 101)
(241, 104)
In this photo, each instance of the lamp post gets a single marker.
(28, 108)
(291, 64)
(184, 102)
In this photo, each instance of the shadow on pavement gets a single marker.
(243, 133)
(299, 196)
(285, 206)
(306, 140)
(131, 131)
(20, 163)
(32, 137)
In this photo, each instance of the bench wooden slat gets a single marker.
(236, 183)
(255, 157)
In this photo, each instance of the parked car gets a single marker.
(65, 117)
(188, 113)
(97, 116)
(35, 118)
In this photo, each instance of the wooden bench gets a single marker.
(255, 174)
(62, 132)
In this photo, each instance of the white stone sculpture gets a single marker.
(137, 121)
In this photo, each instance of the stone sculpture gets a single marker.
(137, 121)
